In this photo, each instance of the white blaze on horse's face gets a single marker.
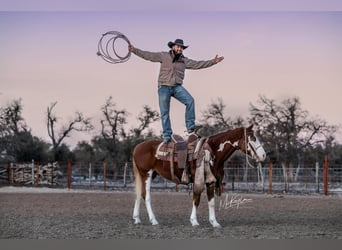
(255, 148)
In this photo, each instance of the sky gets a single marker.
(48, 54)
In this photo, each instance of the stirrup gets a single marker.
(194, 129)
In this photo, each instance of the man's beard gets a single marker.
(176, 56)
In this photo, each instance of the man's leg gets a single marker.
(164, 93)
(182, 95)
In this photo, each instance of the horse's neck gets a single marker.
(226, 143)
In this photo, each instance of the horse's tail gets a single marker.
(137, 180)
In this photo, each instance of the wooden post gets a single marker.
(317, 180)
(270, 178)
(38, 174)
(12, 173)
(125, 172)
(32, 172)
(9, 173)
(284, 167)
(104, 175)
(325, 174)
(89, 174)
(233, 177)
(69, 174)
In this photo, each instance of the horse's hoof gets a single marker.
(154, 222)
(194, 223)
(137, 221)
(216, 225)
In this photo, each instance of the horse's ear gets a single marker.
(250, 127)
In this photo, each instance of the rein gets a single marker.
(246, 145)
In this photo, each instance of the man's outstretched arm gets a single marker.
(150, 56)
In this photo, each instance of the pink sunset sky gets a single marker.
(49, 56)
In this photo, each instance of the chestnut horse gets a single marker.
(146, 166)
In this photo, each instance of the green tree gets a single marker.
(84, 152)
(16, 141)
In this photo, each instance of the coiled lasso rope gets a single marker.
(106, 47)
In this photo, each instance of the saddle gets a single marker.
(179, 150)
(183, 152)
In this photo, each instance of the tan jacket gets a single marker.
(170, 73)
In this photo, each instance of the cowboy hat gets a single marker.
(177, 42)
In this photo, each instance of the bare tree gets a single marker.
(112, 126)
(115, 139)
(287, 130)
(78, 123)
(146, 117)
(214, 118)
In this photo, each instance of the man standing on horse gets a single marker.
(171, 75)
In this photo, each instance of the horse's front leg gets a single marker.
(195, 202)
(151, 216)
(211, 205)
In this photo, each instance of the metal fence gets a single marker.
(266, 177)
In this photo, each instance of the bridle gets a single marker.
(251, 147)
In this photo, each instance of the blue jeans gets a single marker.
(181, 94)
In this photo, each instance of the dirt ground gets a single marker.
(108, 215)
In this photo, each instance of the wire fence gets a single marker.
(319, 177)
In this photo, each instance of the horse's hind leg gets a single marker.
(138, 192)
(151, 216)
(143, 190)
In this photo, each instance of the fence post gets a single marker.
(317, 179)
(104, 176)
(38, 174)
(261, 176)
(325, 174)
(233, 177)
(270, 178)
(12, 173)
(90, 174)
(52, 174)
(9, 173)
(32, 172)
(125, 172)
(69, 174)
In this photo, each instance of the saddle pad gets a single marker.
(182, 151)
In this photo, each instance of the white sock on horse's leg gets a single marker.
(138, 193)
(151, 216)
(136, 211)
(193, 216)
(212, 217)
